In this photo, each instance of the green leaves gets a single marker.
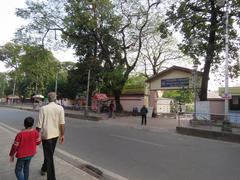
(10, 55)
(202, 25)
(32, 66)
(183, 95)
(135, 84)
(39, 66)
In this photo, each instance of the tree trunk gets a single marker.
(205, 78)
(209, 54)
(117, 94)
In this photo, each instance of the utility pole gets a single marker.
(56, 83)
(14, 85)
(3, 89)
(36, 86)
(3, 84)
(226, 105)
(226, 123)
(195, 66)
(87, 96)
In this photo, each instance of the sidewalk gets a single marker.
(64, 170)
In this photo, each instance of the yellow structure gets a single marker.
(173, 78)
(234, 97)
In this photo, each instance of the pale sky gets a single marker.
(9, 23)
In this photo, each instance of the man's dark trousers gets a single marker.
(48, 151)
(144, 119)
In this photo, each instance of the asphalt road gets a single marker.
(140, 154)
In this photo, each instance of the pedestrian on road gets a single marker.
(144, 112)
(51, 123)
(24, 147)
(111, 109)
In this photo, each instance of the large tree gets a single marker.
(32, 67)
(39, 67)
(78, 83)
(10, 54)
(3, 84)
(202, 25)
(59, 81)
(97, 31)
(158, 53)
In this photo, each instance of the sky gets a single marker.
(9, 24)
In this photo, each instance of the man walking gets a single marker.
(144, 112)
(51, 123)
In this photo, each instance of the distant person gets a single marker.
(144, 112)
(24, 147)
(51, 123)
(111, 109)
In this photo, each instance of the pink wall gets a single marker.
(130, 101)
(216, 106)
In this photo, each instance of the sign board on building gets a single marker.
(175, 82)
(227, 96)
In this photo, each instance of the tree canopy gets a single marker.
(104, 31)
(31, 68)
(202, 25)
(38, 66)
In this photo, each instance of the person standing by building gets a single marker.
(24, 147)
(111, 109)
(51, 122)
(144, 112)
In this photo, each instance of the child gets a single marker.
(25, 148)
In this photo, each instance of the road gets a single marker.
(140, 154)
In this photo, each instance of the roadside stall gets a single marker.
(100, 102)
(38, 101)
(11, 99)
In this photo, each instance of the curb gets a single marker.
(224, 136)
(80, 116)
(67, 114)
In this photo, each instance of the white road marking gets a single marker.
(8, 128)
(12, 130)
(4, 129)
(138, 140)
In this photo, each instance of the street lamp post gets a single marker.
(226, 124)
(226, 64)
(87, 95)
(3, 86)
(36, 86)
(56, 83)
(194, 83)
(195, 66)
(56, 77)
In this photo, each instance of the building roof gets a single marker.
(234, 91)
(173, 68)
(13, 97)
(213, 95)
